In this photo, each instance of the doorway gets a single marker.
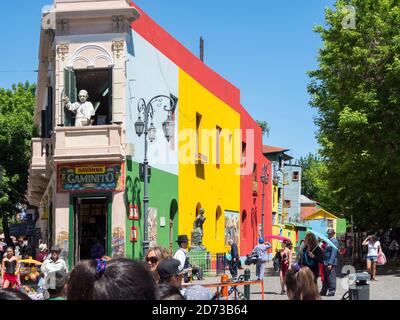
(90, 228)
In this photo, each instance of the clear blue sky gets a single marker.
(263, 47)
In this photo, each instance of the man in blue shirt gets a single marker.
(330, 265)
(261, 250)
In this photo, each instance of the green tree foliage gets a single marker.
(314, 182)
(356, 91)
(16, 131)
(264, 127)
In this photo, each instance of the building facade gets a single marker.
(292, 192)
(88, 181)
(280, 226)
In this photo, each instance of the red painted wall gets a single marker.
(250, 204)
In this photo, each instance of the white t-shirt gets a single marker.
(180, 255)
(373, 248)
(51, 266)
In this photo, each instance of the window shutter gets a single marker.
(71, 92)
(43, 124)
(110, 96)
(49, 112)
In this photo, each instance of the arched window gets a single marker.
(244, 226)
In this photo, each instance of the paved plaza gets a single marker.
(387, 286)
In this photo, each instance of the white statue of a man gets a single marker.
(83, 109)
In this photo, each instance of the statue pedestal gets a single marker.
(197, 238)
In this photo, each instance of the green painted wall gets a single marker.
(341, 226)
(163, 193)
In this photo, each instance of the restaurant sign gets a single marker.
(91, 177)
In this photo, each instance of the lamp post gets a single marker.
(142, 126)
(264, 181)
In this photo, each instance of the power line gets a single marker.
(17, 71)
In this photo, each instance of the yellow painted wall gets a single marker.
(220, 187)
(285, 232)
(275, 199)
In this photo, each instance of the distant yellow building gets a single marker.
(321, 220)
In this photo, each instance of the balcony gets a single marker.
(83, 144)
(41, 148)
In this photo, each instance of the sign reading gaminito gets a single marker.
(91, 177)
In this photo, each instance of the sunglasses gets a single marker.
(152, 259)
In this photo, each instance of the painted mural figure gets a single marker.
(83, 109)
(197, 234)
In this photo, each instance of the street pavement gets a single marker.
(386, 288)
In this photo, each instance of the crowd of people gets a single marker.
(161, 275)
(313, 261)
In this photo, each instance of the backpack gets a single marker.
(251, 258)
(277, 261)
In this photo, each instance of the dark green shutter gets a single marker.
(110, 96)
(49, 112)
(71, 92)
(43, 124)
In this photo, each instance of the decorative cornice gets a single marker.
(118, 23)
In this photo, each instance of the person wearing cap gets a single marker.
(169, 273)
(55, 263)
(181, 254)
(261, 250)
(330, 265)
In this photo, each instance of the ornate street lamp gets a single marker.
(150, 131)
(169, 127)
(139, 127)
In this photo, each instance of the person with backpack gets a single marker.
(261, 251)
